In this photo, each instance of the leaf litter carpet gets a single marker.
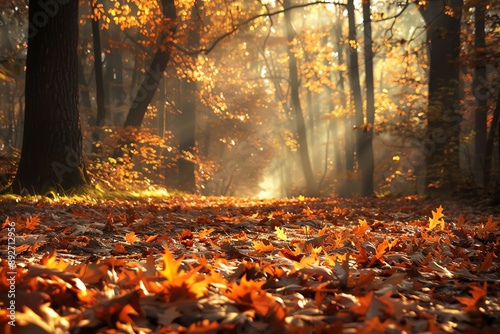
(232, 265)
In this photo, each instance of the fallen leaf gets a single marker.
(436, 219)
(131, 237)
(280, 234)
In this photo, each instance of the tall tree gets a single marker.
(442, 20)
(356, 95)
(311, 186)
(366, 157)
(186, 118)
(348, 120)
(480, 92)
(99, 80)
(51, 156)
(113, 78)
(155, 71)
(490, 142)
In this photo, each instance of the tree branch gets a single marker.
(236, 27)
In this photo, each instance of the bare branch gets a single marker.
(236, 27)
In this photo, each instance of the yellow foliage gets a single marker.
(280, 234)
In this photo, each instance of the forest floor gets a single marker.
(231, 265)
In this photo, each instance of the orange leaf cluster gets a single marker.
(250, 268)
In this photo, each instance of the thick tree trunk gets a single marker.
(311, 187)
(99, 81)
(186, 135)
(367, 159)
(481, 95)
(441, 145)
(51, 157)
(155, 71)
(186, 126)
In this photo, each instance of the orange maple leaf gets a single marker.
(365, 279)
(250, 293)
(477, 294)
(383, 246)
(322, 231)
(6, 222)
(131, 237)
(306, 262)
(119, 249)
(170, 265)
(32, 222)
(150, 238)
(204, 233)
(363, 303)
(294, 255)
(488, 261)
(436, 219)
(362, 228)
(22, 248)
(490, 226)
(185, 234)
(261, 247)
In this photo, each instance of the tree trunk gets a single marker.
(311, 110)
(356, 93)
(84, 87)
(441, 145)
(490, 143)
(366, 158)
(348, 122)
(481, 94)
(99, 81)
(187, 126)
(51, 156)
(311, 187)
(155, 71)
(186, 130)
(114, 70)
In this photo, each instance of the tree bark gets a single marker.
(155, 71)
(113, 78)
(186, 130)
(356, 96)
(441, 144)
(186, 121)
(367, 159)
(490, 143)
(311, 187)
(348, 122)
(51, 156)
(99, 81)
(481, 95)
